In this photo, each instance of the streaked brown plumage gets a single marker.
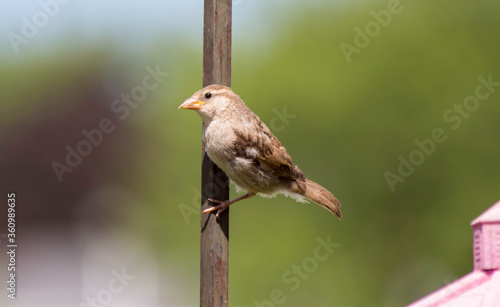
(246, 150)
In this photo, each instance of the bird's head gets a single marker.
(212, 101)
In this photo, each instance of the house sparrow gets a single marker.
(240, 144)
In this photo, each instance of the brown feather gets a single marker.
(271, 155)
(321, 196)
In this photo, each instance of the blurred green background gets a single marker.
(133, 201)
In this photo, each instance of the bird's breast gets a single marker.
(218, 143)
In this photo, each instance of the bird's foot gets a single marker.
(222, 205)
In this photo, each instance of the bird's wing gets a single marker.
(255, 141)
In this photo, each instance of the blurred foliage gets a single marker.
(352, 121)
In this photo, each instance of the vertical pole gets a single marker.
(214, 263)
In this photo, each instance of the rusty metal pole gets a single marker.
(214, 263)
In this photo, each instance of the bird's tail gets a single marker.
(322, 197)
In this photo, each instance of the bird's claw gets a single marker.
(222, 205)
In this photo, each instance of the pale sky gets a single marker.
(139, 22)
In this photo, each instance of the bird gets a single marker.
(242, 146)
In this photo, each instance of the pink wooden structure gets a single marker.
(481, 287)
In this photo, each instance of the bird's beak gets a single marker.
(191, 104)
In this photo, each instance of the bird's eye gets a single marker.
(208, 95)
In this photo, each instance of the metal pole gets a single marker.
(214, 262)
